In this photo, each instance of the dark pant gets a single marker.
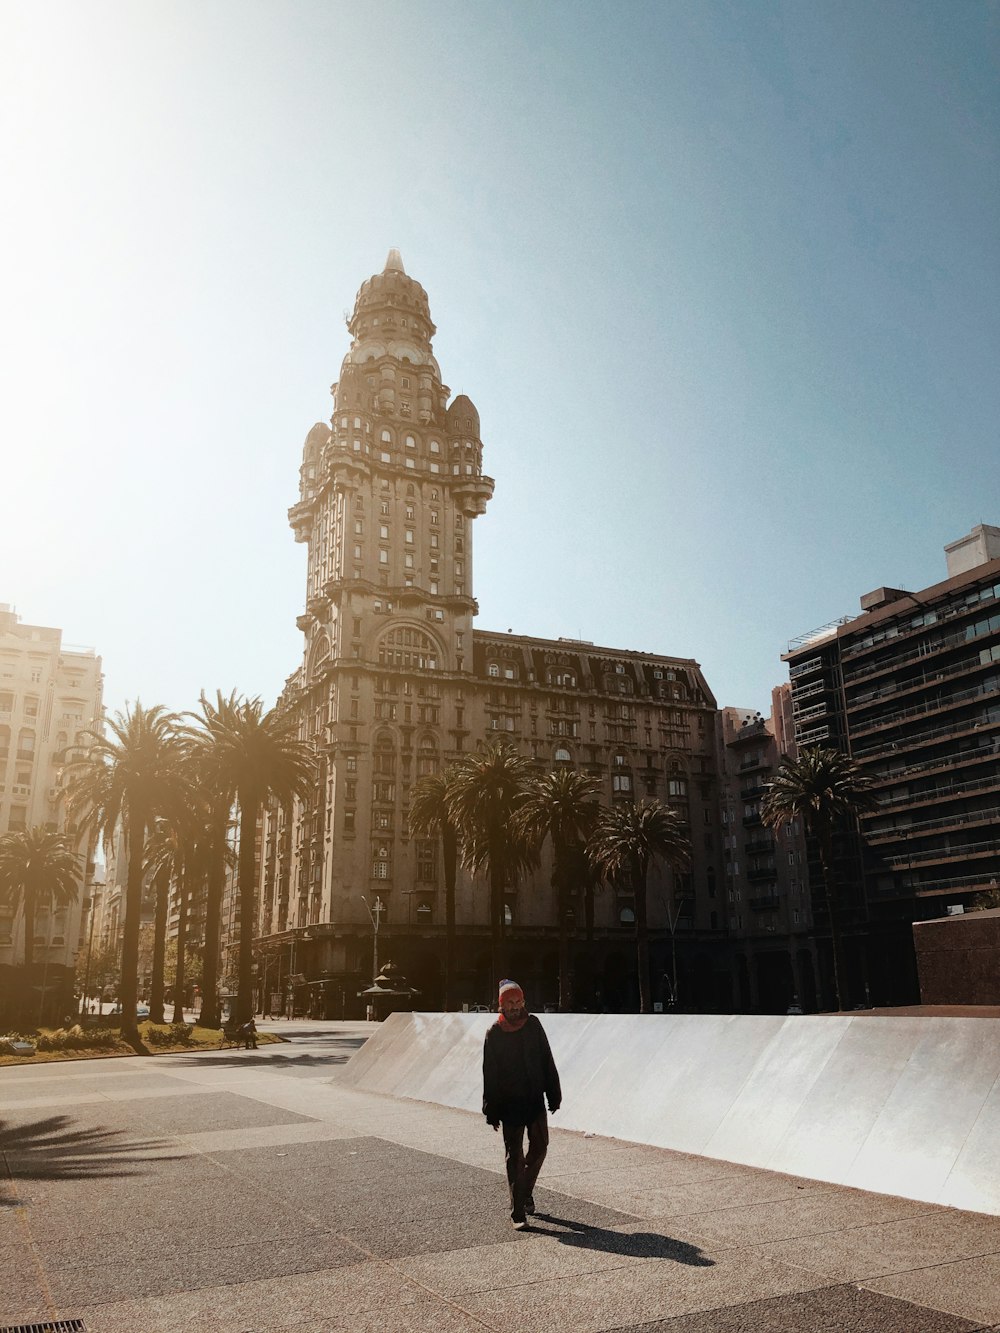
(522, 1170)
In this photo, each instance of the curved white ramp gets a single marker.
(907, 1106)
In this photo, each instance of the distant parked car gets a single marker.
(142, 1011)
(480, 1009)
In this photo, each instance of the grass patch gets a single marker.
(76, 1043)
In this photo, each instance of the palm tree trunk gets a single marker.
(182, 915)
(642, 938)
(210, 1016)
(565, 979)
(28, 910)
(449, 852)
(498, 933)
(159, 947)
(128, 991)
(829, 892)
(247, 887)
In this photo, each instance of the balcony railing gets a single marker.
(974, 785)
(920, 737)
(805, 668)
(987, 689)
(935, 764)
(812, 737)
(944, 853)
(758, 873)
(891, 689)
(990, 816)
(765, 903)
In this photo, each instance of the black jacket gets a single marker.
(518, 1070)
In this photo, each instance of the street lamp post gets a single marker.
(375, 912)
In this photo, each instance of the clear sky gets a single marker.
(720, 275)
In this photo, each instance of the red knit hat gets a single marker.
(510, 990)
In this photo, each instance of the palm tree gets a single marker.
(485, 791)
(561, 806)
(820, 787)
(251, 756)
(626, 839)
(129, 778)
(37, 865)
(430, 816)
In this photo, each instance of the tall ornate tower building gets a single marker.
(394, 685)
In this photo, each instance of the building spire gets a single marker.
(394, 263)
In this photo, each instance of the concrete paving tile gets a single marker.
(864, 1252)
(635, 1294)
(626, 1187)
(839, 1309)
(745, 1186)
(303, 1299)
(262, 1136)
(969, 1287)
(804, 1215)
(186, 1270)
(548, 1251)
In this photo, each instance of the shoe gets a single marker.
(519, 1223)
(529, 1205)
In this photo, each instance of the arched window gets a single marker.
(425, 912)
(493, 670)
(427, 758)
(405, 647)
(410, 490)
(562, 757)
(626, 916)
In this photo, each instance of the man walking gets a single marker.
(519, 1076)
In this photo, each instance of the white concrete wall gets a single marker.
(907, 1106)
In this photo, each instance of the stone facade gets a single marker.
(395, 683)
(49, 693)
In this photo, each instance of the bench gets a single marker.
(234, 1034)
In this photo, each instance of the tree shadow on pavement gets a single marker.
(633, 1244)
(52, 1150)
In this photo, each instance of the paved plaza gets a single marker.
(246, 1191)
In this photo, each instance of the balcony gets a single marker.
(989, 689)
(971, 818)
(805, 668)
(971, 849)
(759, 847)
(762, 874)
(751, 821)
(754, 790)
(965, 727)
(812, 737)
(807, 714)
(755, 761)
(951, 790)
(769, 902)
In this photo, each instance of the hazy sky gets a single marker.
(720, 276)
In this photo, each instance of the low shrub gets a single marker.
(177, 1034)
(76, 1039)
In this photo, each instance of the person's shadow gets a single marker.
(635, 1244)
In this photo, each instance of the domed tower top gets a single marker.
(392, 301)
(462, 418)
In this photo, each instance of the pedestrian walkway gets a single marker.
(250, 1191)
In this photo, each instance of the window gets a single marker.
(621, 782)
(493, 670)
(435, 447)
(626, 916)
(408, 535)
(408, 560)
(386, 437)
(677, 787)
(383, 531)
(435, 468)
(409, 513)
(383, 556)
(351, 763)
(384, 457)
(381, 861)
(410, 441)
(434, 541)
